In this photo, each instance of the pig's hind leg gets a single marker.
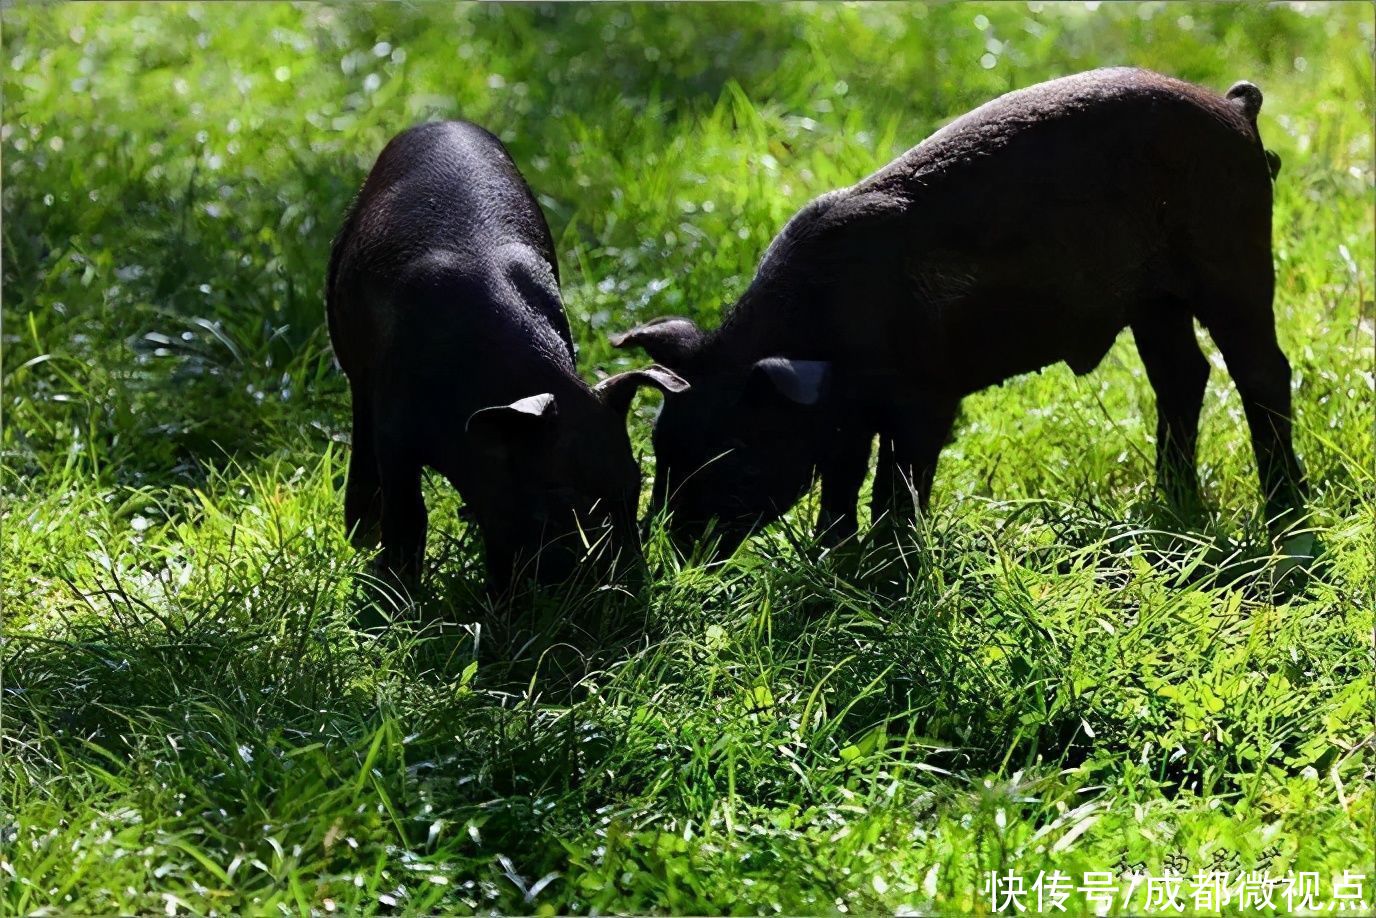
(1240, 320)
(1178, 373)
(1262, 376)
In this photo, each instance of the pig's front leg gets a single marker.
(363, 489)
(908, 454)
(843, 472)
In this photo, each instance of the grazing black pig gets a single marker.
(444, 312)
(1030, 231)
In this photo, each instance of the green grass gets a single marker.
(1050, 678)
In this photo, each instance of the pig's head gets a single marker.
(736, 449)
(561, 483)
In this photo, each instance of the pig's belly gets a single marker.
(1025, 303)
(986, 343)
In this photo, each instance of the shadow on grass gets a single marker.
(541, 642)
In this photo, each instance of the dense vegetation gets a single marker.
(1053, 674)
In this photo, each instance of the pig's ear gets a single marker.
(670, 340)
(501, 426)
(803, 382)
(617, 391)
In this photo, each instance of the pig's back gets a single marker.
(447, 185)
(1054, 212)
(1108, 165)
(1113, 119)
(445, 239)
(1050, 214)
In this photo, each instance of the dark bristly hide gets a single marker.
(1030, 231)
(445, 314)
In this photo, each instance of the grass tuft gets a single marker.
(210, 704)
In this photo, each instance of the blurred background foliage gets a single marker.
(171, 185)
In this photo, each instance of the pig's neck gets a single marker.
(791, 307)
(778, 316)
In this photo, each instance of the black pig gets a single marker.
(1030, 231)
(444, 311)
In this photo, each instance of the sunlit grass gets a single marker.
(204, 706)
